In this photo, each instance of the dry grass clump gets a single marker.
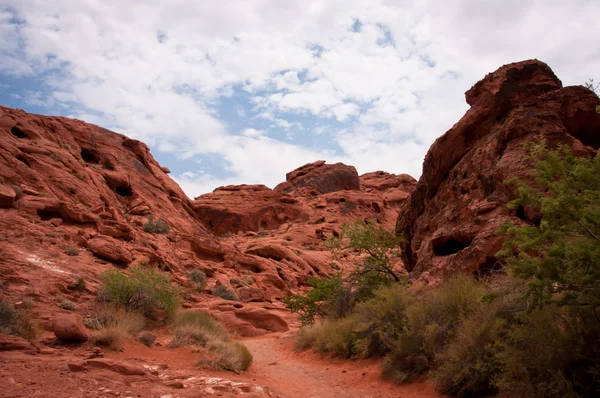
(199, 328)
(16, 322)
(115, 325)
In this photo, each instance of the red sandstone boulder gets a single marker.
(319, 178)
(69, 328)
(109, 249)
(236, 208)
(450, 220)
(7, 196)
(14, 343)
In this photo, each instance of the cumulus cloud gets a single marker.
(380, 80)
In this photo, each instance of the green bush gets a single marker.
(380, 320)
(337, 337)
(329, 297)
(144, 290)
(224, 292)
(157, 227)
(16, 322)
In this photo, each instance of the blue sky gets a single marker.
(230, 92)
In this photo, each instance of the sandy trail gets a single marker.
(290, 374)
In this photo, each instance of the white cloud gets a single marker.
(159, 70)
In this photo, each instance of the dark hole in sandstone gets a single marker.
(376, 207)
(107, 166)
(521, 213)
(280, 273)
(263, 224)
(72, 191)
(23, 159)
(238, 306)
(585, 126)
(90, 156)
(335, 233)
(123, 191)
(251, 267)
(342, 200)
(17, 132)
(48, 214)
(448, 245)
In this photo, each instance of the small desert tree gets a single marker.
(561, 256)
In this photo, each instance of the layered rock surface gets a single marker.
(76, 200)
(450, 220)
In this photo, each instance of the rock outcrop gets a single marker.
(319, 178)
(243, 208)
(450, 220)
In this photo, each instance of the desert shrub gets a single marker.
(157, 227)
(248, 279)
(113, 326)
(307, 336)
(72, 251)
(196, 328)
(201, 329)
(79, 284)
(468, 362)
(16, 322)
(68, 305)
(231, 356)
(551, 352)
(144, 289)
(224, 292)
(336, 336)
(381, 320)
(329, 297)
(198, 277)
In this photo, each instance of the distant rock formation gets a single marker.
(450, 220)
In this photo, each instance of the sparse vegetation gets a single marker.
(79, 284)
(532, 332)
(157, 227)
(145, 290)
(72, 251)
(113, 326)
(199, 328)
(199, 278)
(68, 305)
(224, 292)
(16, 322)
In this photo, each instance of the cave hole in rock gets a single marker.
(263, 224)
(123, 191)
(21, 158)
(376, 207)
(521, 213)
(342, 200)
(72, 191)
(17, 132)
(48, 214)
(448, 245)
(107, 166)
(90, 156)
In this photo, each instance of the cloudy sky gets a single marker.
(243, 91)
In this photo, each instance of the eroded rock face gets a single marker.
(319, 178)
(236, 208)
(450, 220)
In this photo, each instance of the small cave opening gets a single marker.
(72, 191)
(48, 214)
(376, 207)
(123, 191)
(17, 132)
(448, 245)
(521, 213)
(585, 126)
(263, 224)
(90, 156)
(21, 158)
(107, 166)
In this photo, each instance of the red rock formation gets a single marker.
(450, 220)
(244, 208)
(319, 178)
